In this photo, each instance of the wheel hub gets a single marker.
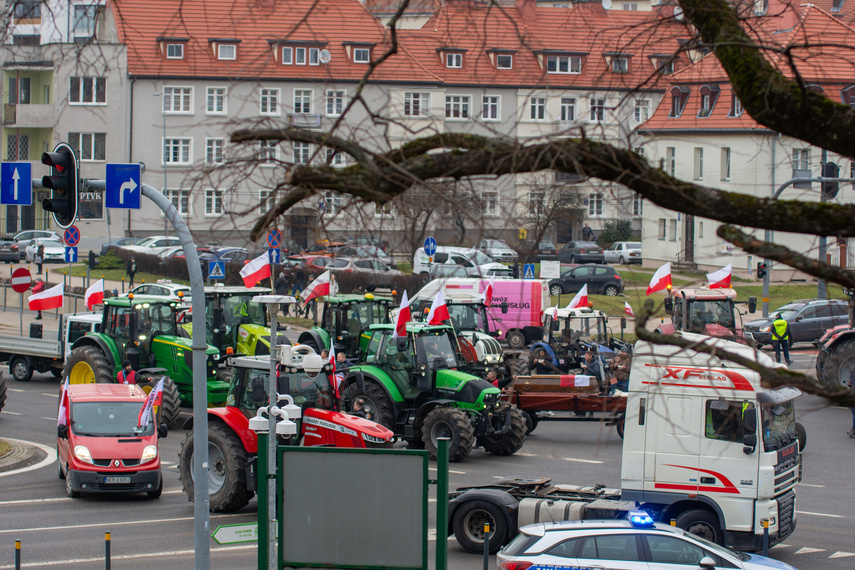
(81, 373)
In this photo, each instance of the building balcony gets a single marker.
(29, 116)
(304, 120)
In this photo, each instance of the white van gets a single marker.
(457, 262)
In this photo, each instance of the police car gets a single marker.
(634, 544)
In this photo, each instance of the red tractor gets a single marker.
(710, 312)
(233, 446)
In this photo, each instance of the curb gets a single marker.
(21, 455)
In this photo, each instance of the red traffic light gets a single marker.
(63, 181)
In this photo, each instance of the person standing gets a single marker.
(299, 279)
(619, 367)
(38, 287)
(781, 338)
(281, 287)
(126, 375)
(131, 270)
(40, 257)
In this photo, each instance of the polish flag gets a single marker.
(721, 278)
(404, 316)
(487, 295)
(256, 270)
(155, 398)
(320, 287)
(627, 309)
(62, 416)
(338, 378)
(661, 279)
(48, 299)
(438, 310)
(581, 298)
(94, 294)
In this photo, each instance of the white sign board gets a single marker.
(550, 269)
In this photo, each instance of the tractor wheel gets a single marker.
(227, 459)
(377, 401)
(21, 369)
(556, 290)
(801, 433)
(88, 365)
(511, 441)
(701, 523)
(840, 365)
(2, 390)
(468, 525)
(520, 367)
(452, 423)
(530, 422)
(516, 339)
(170, 410)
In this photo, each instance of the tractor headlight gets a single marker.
(82, 453)
(148, 454)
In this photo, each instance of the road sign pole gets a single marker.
(22, 315)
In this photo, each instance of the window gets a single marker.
(336, 158)
(666, 67)
(214, 151)
(566, 548)
(671, 161)
(361, 55)
(177, 100)
(264, 198)
(568, 108)
(181, 200)
(638, 150)
(630, 6)
(620, 65)
(724, 420)
(332, 203)
(563, 64)
(504, 61)
(673, 223)
(90, 205)
(176, 151)
(673, 550)
(268, 152)
(384, 210)
(287, 56)
(19, 91)
(598, 110)
(595, 204)
(227, 51)
(490, 201)
(699, 163)
(457, 106)
(314, 58)
(662, 229)
(301, 152)
(28, 10)
(303, 101)
(416, 104)
(537, 108)
(677, 101)
(735, 106)
(801, 159)
(269, 102)
(637, 205)
(18, 147)
(536, 205)
(213, 202)
(89, 147)
(642, 110)
(610, 547)
(454, 60)
(491, 108)
(335, 103)
(705, 106)
(215, 101)
(300, 56)
(700, 230)
(87, 91)
(725, 163)
(84, 22)
(174, 51)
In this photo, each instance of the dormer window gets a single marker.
(358, 52)
(298, 55)
(504, 61)
(563, 64)
(620, 65)
(227, 51)
(174, 51)
(679, 96)
(709, 95)
(848, 97)
(735, 106)
(454, 60)
(361, 55)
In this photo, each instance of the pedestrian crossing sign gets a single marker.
(216, 270)
(528, 271)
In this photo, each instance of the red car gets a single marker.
(313, 263)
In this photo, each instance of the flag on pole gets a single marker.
(320, 287)
(404, 316)
(661, 279)
(155, 398)
(62, 416)
(438, 310)
(487, 296)
(721, 278)
(256, 270)
(581, 298)
(94, 294)
(627, 309)
(48, 299)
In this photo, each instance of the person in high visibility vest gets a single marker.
(781, 338)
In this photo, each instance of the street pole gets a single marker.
(821, 291)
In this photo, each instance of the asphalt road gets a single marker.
(69, 533)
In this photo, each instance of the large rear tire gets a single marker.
(839, 366)
(21, 369)
(453, 423)
(468, 526)
(511, 441)
(516, 339)
(88, 365)
(227, 474)
(701, 523)
(520, 367)
(376, 400)
(170, 410)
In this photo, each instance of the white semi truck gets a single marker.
(705, 446)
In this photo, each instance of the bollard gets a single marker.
(673, 522)
(486, 545)
(17, 555)
(123, 285)
(765, 523)
(107, 549)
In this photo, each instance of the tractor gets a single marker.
(413, 386)
(143, 330)
(346, 319)
(710, 312)
(233, 447)
(835, 360)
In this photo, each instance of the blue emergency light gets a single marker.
(640, 518)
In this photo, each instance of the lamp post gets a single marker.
(163, 153)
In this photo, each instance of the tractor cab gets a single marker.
(133, 322)
(569, 333)
(345, 321)
(711, 312)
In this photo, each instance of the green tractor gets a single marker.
(143, 330)
(347, 319)
(412, 386)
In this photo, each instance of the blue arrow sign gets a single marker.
(528, 271)
(216, 270)
(274, 238)
(124, 188)
(16, 183)
(273, 252)
(71, 255)
(430, 246)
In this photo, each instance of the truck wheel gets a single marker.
(511, 441)
(701, 523)
(452, 423)
(68, 489)
(21, 369)
(556, 290)
(377, 401)
(840, 365)
(520, 367)
(227, 475)
(2, 391)
(468, 526)
(611, 291)
(425, 278)
(88, 365)
(619, 424)
(170, 410)
(516, 339)
(801, 433)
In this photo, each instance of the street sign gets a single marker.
(523, 233)
(528, 271)
(236, 533)
(430, 246)
(273, 253)
(550, 269)
(124, 188)
(274, 238)
(21, 280)
(71, 236)
(71, 255)
(16, 183)
(216, 270)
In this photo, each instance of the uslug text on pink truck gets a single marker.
(705, 446)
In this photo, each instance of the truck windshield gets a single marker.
(779, 425)
(314, 392)
(702, 313)
(239, 309)
(468, 317)
(108, 419)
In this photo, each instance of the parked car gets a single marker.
(380, 274)
(178, 251)
(497, 250)
(601, 279)
(9, 251)
(154, 245)
(54, 250)
(808, 320)
(623, 252)
(227, 253)
(580, 252)
(162, 288)
(475, 263)
(23, 238)
(329, 248)
(367, 252)
(529, 251)
(120, 242)
(367, 240)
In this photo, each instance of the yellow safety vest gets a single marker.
(781, 332)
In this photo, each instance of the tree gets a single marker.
(615, 230)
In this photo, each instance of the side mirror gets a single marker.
(403, 344)
(669, 305)
(749, 420)
(162, 430)
(62, 431)
(706, 562)
(504, 306)
(752, 304)
(798, 318)
(749, 440)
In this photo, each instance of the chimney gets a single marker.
(528, 10)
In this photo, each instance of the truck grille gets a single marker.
(786, 514)
(787, 472)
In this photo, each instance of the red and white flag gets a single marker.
(627, 309)
(404, 316)
(661, 279)
(320, 287)
(581, 298)
(338, 377)
(155, 398)
(94, 294)
(438, 310)
(62, 416)
(721, 278)
(47, 299)
(256, 270)
(487, 295)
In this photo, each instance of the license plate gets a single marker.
(114, 480)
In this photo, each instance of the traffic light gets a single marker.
(63, 183)
(830, 170)
(761, 270)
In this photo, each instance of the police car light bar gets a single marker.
(640, 518)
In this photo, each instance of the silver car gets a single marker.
(497, 250)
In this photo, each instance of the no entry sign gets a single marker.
(21, 280)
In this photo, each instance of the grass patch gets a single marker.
(5, 447)
(297, 322)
